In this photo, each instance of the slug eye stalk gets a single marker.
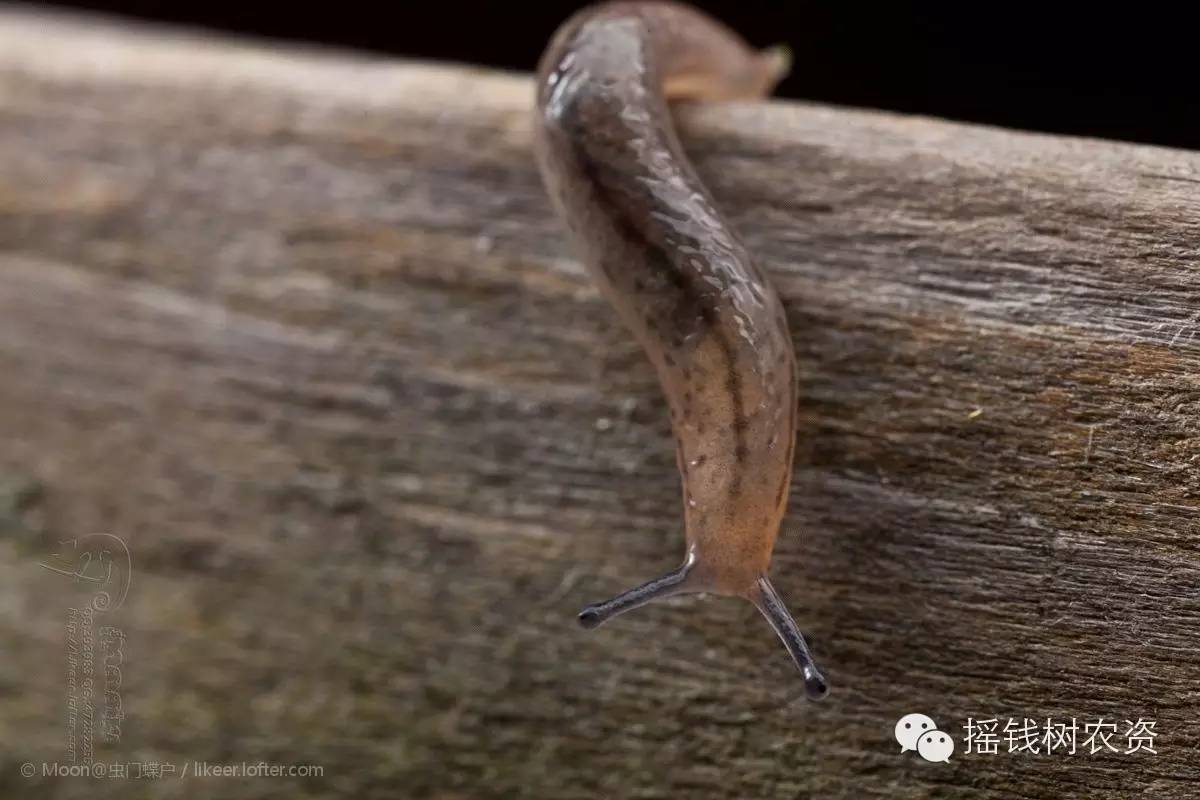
(763, 595)
(771, 605)
(672, 583)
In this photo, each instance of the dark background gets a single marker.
(1122, 71)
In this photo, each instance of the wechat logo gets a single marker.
(919, 732)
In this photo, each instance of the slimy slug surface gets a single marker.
(681, 280)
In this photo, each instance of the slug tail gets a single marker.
(776, 65)
(771, 605)
(670, 584)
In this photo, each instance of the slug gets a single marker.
(681, 280)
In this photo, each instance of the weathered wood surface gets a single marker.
(301, 329)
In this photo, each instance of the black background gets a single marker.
(1123, 71)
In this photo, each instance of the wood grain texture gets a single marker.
(300, 328)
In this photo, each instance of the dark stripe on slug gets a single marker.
(699, 304)
(781, 494)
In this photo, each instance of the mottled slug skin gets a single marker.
(673, 268)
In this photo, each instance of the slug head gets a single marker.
(762, 595)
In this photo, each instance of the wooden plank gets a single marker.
(300, 328)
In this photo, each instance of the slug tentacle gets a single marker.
(671, 584)
(680, 278)
(771, 605)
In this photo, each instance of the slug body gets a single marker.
(681, 280)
